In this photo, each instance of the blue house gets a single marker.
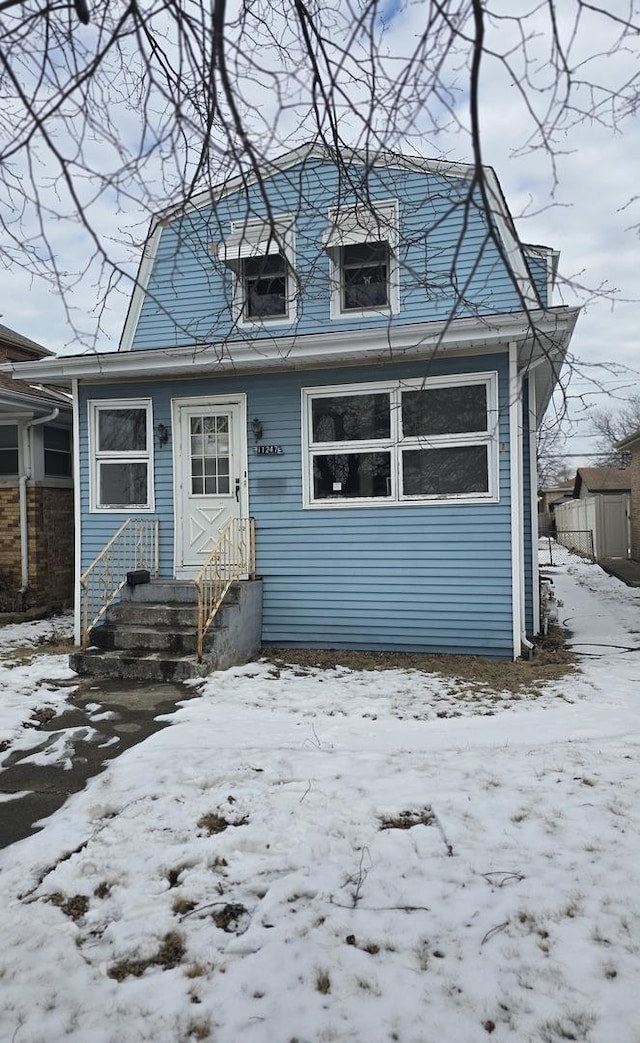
(327, 392)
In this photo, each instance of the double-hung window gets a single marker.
(9, 449)
(121, 440)
(260, 253)
(362, 246)
(433, 440)
(57, 452)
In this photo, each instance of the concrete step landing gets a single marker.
(150, 634)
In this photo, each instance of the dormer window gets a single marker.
(365, 276)
(362, 246)
(260, 253)
(264, 287)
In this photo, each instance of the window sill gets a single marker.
(435, 501)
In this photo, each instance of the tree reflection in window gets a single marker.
(351, 475)
(351, 418)
(447, 471)
(444, 410)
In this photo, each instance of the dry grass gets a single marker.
(552, 660)
(75, 907)
(169, 955)
(23, 655)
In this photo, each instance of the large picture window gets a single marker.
(121, 441)
(432, 440)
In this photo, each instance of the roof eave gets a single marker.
(540, 335)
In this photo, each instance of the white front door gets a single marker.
(210, 469)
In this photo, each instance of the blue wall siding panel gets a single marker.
(432, 578)
(449, 262)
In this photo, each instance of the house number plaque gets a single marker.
(268, 450)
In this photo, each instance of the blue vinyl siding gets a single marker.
(449, 264)
(430, 578)
(540, 275)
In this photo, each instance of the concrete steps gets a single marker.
(150, 634)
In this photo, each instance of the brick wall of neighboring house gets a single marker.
(50, 513)
(9, 546)
(51, 547)
(634, 481)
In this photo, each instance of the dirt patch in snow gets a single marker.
(551, 660)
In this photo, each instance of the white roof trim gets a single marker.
(541, 335)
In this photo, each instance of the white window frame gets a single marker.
(97, 456)
(260, 237)
(397, 442)
(351, 226)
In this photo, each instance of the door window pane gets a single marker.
(351, 418)
(447, 471)
(122, 430)
(345, 476)
(446, 410)
(123, 485)
(210, 454)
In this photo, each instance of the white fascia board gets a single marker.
(284, 353)
(510, 241)
(141, 284)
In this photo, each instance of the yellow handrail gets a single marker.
(232, 558)
(134, 546)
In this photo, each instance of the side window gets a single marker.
(8, 449)
(398, 443)
(57, 452)
(120, 441)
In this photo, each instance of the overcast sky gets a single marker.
(585, 204)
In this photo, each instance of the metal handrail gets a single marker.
(232, 558)
(134, 546)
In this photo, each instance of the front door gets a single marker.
(210, 475)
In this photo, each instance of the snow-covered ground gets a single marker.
(323, 858)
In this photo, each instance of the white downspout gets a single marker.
(515, 471)
(22, 497)
(77, 606)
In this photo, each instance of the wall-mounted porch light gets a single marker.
(162, 434)
(256, 427)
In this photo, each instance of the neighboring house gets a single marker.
(548, 500)
(36, 488)
(631, 445)
(600, 507)
(355, 356)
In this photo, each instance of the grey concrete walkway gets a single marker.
(623, 568)
(133, 716)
